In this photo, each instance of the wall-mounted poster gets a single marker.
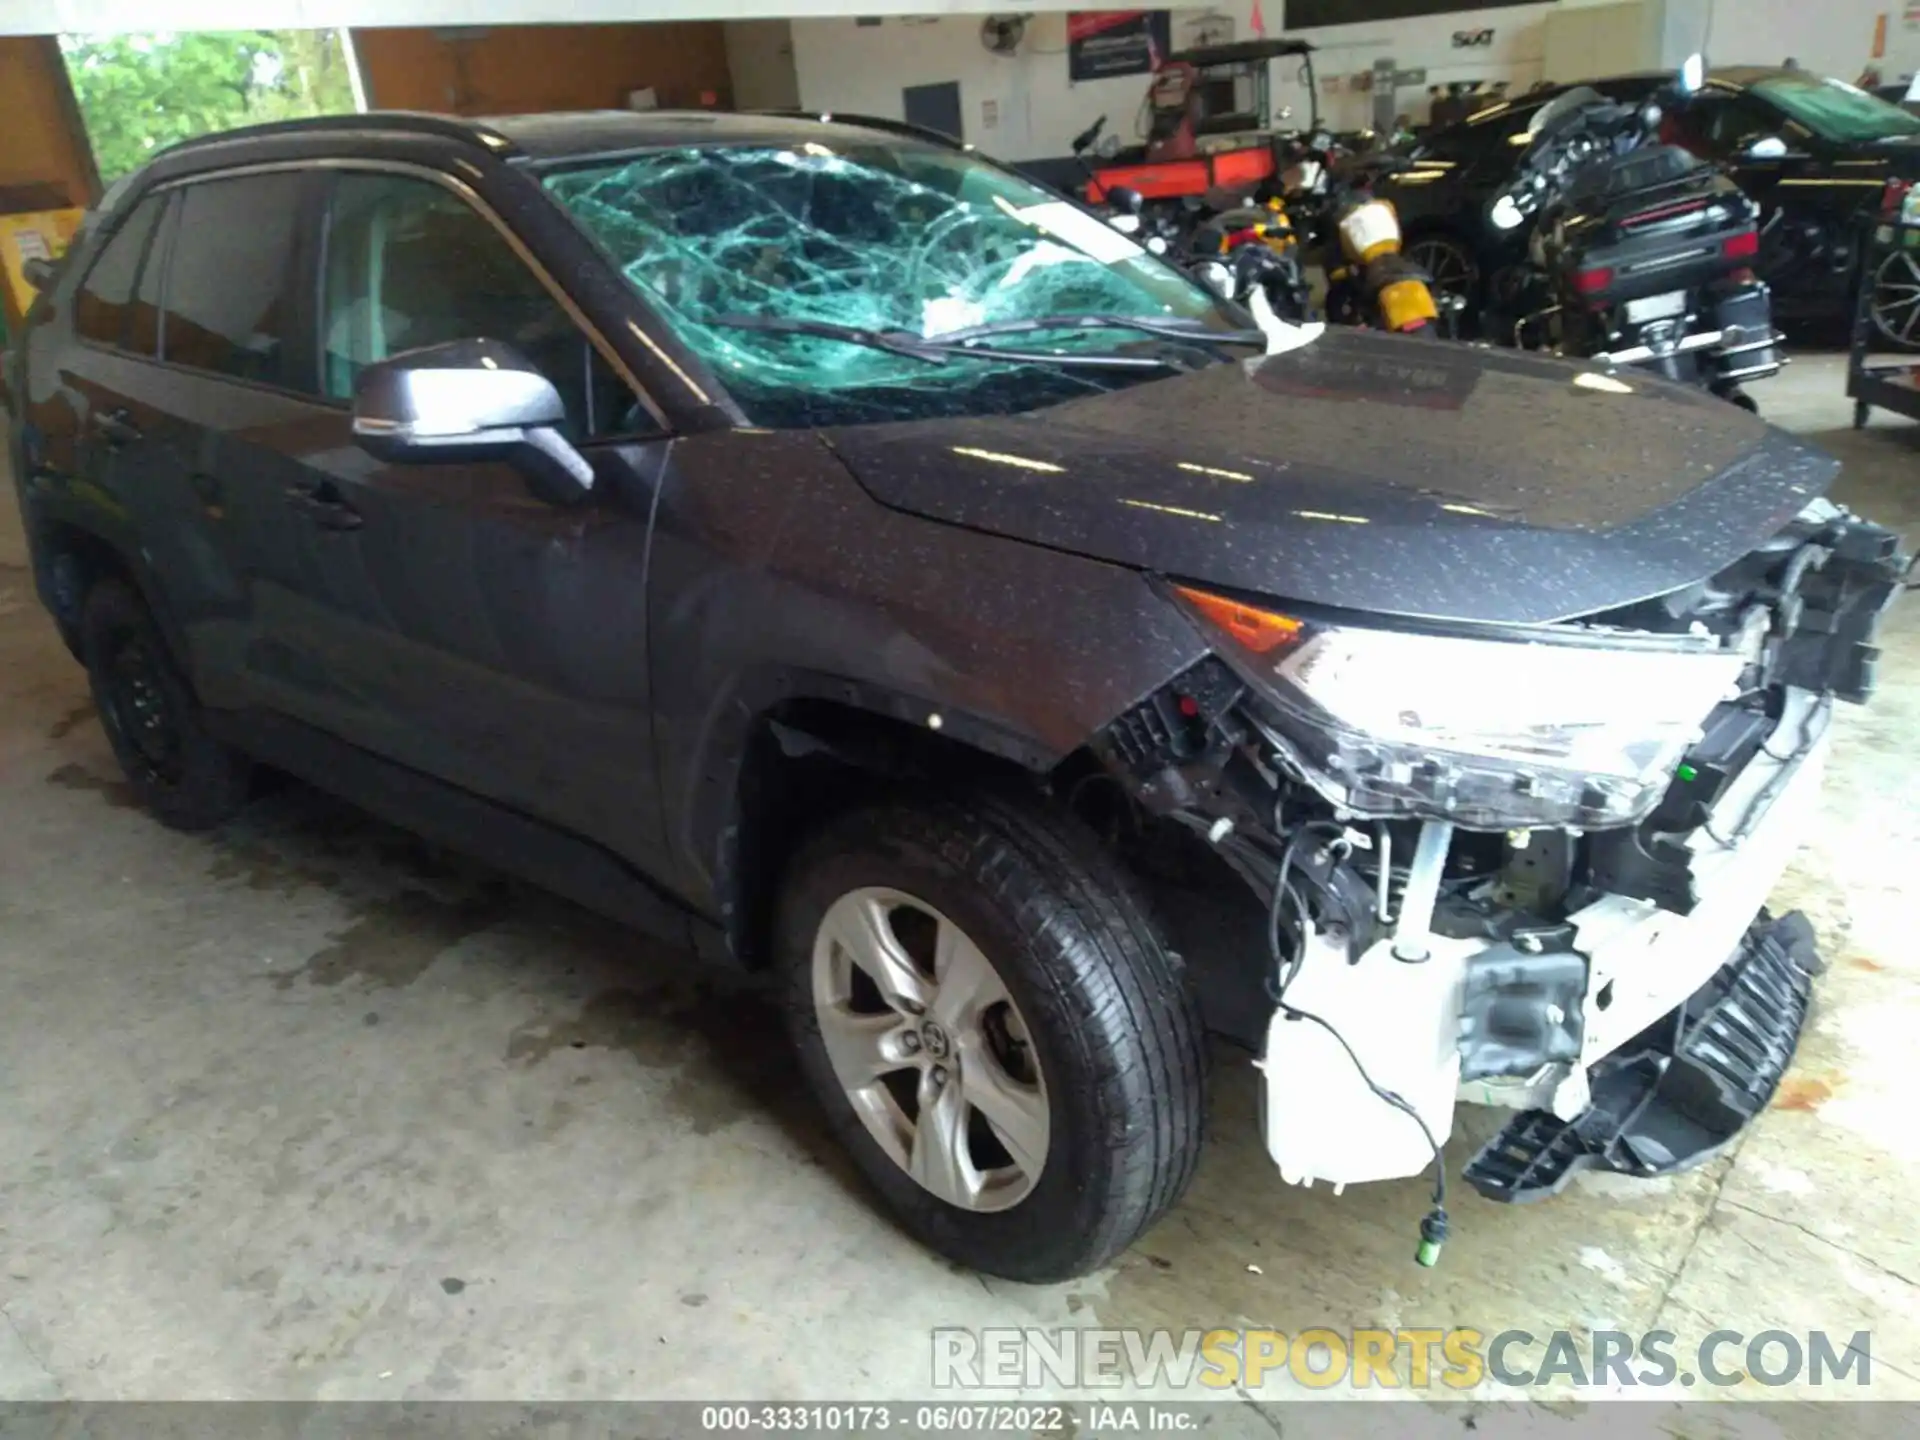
(1105, 43)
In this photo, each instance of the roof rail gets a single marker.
(418, 122)
(870, 122)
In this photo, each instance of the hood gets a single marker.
(1374, 472)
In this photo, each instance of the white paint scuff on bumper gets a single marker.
(1402, 1020)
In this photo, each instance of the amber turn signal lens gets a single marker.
(1260, 631)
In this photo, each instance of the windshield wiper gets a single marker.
(1146, 324)
(939, 348)
(895, 342)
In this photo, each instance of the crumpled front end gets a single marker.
(1526, 866)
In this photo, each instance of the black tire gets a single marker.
(158, 731)
(1113, 1028)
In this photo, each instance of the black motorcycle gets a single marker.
(1637, 253)
(1253, 247)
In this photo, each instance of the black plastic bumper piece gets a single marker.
(1683, 1089)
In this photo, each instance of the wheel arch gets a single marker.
(1428, 227)
(792, 749)
(71, 558)
(1444, 227)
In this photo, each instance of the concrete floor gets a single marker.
(304, 1110)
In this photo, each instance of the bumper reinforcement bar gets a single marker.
(1684, 1089)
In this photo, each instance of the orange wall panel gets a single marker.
(42, 147)
(516, 69)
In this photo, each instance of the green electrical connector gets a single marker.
(1687, 773)
(1433, 1234)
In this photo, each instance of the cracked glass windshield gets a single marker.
(905, 243)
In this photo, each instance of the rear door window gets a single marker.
(101, 309)
(227, 281)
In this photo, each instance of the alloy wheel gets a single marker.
(930, 1048)
(1449, 267)
(1896, 298)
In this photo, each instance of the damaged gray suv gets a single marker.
(815, 544)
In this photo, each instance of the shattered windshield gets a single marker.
(891, 238)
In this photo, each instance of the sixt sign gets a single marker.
(1472, 39)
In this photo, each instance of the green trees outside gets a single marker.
(140, 93)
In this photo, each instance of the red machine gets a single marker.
(1210, 123)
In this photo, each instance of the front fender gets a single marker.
(774, 576)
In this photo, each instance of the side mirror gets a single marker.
(470, 400)
(38, 271)
(1766, 147)
(1507, 214)
(1693, 74)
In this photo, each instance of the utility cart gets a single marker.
(1210, 122)
(1888, 313)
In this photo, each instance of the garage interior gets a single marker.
(310, 1109)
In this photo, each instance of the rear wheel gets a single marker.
(995, 1030)
(157, 729)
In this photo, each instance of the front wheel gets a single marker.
(995, 1030)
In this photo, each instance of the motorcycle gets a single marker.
(1369, 281)
(1321, 204)
(1158, 230)
(1232, 243)
(1637, 253)
(1257, 247)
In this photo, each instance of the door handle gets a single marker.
(116, 427)
(324, 505)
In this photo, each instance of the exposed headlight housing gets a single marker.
(1487, 733)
